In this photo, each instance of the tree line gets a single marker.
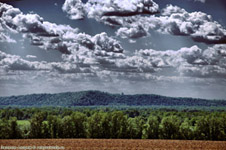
(131, 124)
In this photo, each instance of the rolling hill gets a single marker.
(97, 98)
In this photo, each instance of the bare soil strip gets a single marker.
(114, 144)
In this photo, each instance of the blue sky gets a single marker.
(173, 48)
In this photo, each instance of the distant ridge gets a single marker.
(97, 98)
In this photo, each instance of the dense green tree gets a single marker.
(67, 127)
(135, 128)
(151, 129)
(169, 127)
(223, 122)
(79, 125)
(106, 125)
(15, 132)
(36, 125)
(131, 129)
(95, 127)
(19, 114)
(5, 129)
(187, 130)
(74, 126)
(45, 130)
(53, 126)
(109, 123)
(209, 128)
(119, 125)
(215, 128)
(202, 129)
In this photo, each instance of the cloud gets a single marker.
(107, 44)
(81, 52)
(4, 37)
(101, 54)
(210, 62)
(16, 63)
(85, 48)
(132, 32)
(100, 61)
(135, 64)
(113, 13)
(193, 67)
(198, 25)
(97, 9)
(69, 68)
(13, 62)
(13, 20)
(173, 19)
(170, 9)
(176, 21)
(52, 36)
(202, 1)
(31, 56)
(74, 8)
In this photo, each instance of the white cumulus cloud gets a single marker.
(74, 8)
(176, 21)
(97, 9)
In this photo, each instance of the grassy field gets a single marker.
(114, 144)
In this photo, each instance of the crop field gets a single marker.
(112, 144)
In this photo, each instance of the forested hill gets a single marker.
(97, 98)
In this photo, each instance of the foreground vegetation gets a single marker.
(109, 123)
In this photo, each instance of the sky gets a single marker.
(168, 47)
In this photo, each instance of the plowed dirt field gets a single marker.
(112, 144)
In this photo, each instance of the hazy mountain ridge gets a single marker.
(95, 98)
